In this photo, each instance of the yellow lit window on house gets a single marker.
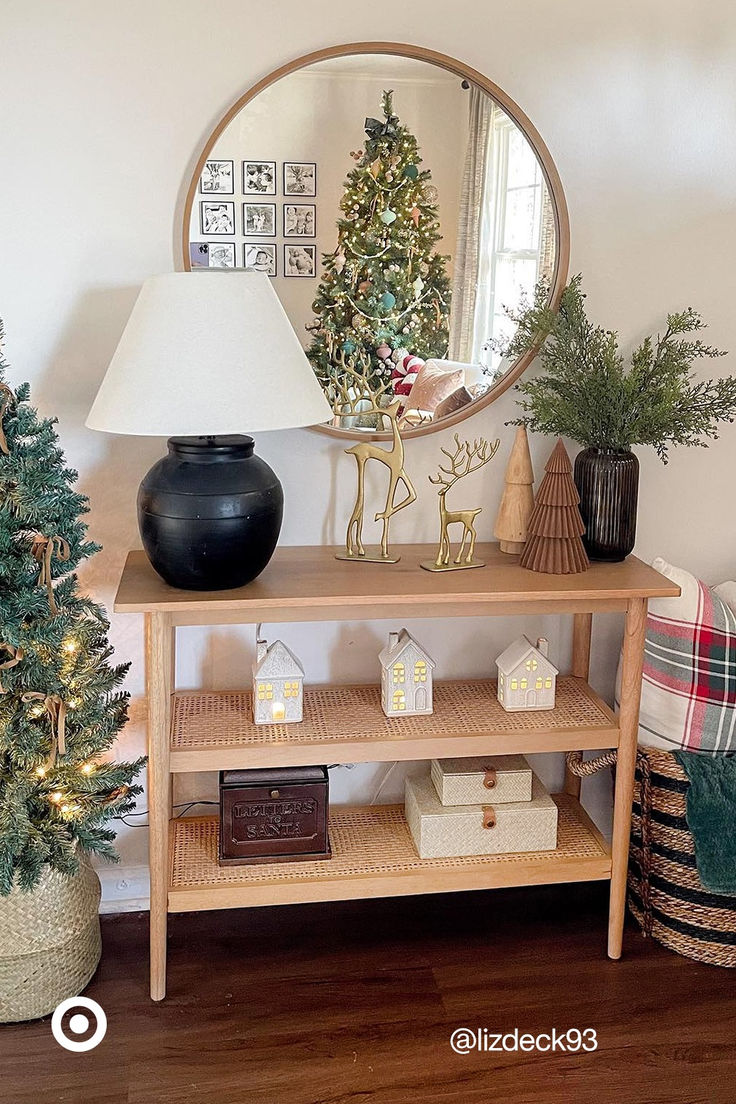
(420, 671)
(531, 665)
(514, 684)
(548, 684)
(523, 684)
(399, 701)
(539, 683)
(291, 689)
(500, 678)
(265, 691)
(398, 672)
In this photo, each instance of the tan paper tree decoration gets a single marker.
(517, 501)
(553, 544)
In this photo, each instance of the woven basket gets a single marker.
(665, 893)
(54, 935)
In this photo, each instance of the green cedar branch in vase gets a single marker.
(586, 391)
(61, 706)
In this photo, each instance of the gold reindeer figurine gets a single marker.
(465, 459)
(351, 391)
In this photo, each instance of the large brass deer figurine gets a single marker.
(351, 391)
(465, 459)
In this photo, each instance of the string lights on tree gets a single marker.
(383, 284)
(61, 706)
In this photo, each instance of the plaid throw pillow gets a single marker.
(688, 698)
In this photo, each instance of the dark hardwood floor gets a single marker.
(357, 1001)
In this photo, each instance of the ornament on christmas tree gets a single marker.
(348, 346)
(367, 290)
(465, 459)
(430, 193)
(418, 286)
(60, 703)
(383, 352)
(415, 214)
(411, 172)
(517, 502)
(553, 545)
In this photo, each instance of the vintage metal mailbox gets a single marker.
(273, 815)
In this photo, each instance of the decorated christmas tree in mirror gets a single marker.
(385, 291)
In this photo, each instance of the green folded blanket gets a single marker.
(711, 817)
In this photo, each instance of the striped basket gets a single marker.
(665, 893)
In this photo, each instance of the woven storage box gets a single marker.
(665, 893)
(447, 831)
(491, 779)
(49, 943)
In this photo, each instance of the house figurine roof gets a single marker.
(397, 645)
(518, 652)
(276, 661)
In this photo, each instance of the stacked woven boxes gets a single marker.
(493, 805)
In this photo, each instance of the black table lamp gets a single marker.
(205, 355)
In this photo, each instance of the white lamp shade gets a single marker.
(204, 353)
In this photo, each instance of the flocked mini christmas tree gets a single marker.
(384, 285)
(553, 543)
(61, 705)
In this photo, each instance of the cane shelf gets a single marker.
(372, 849)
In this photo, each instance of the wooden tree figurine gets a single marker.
(517, 502)
(465, 459)
(553, 544)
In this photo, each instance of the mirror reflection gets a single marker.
(403, 216)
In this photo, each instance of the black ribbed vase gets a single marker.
(608, 483)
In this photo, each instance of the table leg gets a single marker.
(631, 673)
(582, 627)
(160, 657)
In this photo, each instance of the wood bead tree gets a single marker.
(517, 501)
(555, 528)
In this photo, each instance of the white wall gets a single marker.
(104, 110)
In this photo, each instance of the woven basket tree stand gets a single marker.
(50, 945)
(666, 895)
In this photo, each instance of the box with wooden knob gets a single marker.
(449, 831)
(478, 780)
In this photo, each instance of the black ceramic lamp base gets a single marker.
(210, 513)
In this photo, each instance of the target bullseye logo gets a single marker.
(79, 1023)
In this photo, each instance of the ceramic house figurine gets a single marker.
(278, 684)
(406, 676)
(526, 677)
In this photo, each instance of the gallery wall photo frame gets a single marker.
(300, 220)
(300, 261)
(217, 216)
(218, 177)
(221, 255)
(260, 256)
(259, 178)
(300, 178)
(259, 220)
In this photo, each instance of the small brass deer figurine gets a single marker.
(350, 389)
(465, 459)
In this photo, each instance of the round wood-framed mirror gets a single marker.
(402, 232)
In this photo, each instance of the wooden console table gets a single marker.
(373, 855)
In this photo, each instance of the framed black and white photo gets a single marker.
(259, 219)
(217, 216)
(218, 176)
(300, 260)
(261, 256)
(222, 255)
(300, 178)
(300, 220)
(259, 178)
